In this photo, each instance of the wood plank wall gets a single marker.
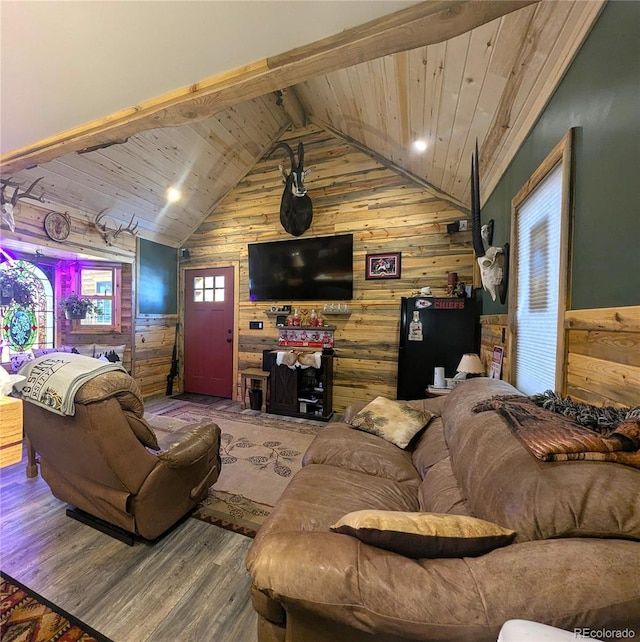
(494, 332)
(602, 362)
(65, 334)
(603, 355)
(351, 193)
(153, 340)
(83, 241)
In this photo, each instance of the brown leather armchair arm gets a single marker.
(191, 446)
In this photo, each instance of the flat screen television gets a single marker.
(309, 269)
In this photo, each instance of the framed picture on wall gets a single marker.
(495, 370)
(383, 266)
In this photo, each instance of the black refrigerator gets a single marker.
(434, 332)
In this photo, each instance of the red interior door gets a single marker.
(208, 331)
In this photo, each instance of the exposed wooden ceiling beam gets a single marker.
(423, 24)
(293, 107)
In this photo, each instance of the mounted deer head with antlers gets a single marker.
(7, 205)
(110, 236)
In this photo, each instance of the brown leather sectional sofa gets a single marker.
(575, 561)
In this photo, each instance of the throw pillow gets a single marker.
(38, 352)
(19, 359)
(112, 353)
(420, 535)
(86, 350)
(392, 420)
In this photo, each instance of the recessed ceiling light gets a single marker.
(420, 145)
(173, 195)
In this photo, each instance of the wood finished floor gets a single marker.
(190, 586)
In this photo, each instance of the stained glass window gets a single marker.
(25, 327)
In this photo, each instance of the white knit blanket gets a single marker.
(53, 379)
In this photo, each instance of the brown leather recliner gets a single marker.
(102, 460)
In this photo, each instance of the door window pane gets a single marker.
(208, 289)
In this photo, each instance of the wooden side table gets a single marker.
(432, 391)
(254, 374)
(10, 431)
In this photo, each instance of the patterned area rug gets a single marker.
(26, 616)
(259, 453)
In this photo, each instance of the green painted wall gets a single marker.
(600, 96)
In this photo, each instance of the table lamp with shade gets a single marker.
(470, 366)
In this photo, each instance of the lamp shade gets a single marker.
(470, 364)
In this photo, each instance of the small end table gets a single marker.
(254, 374)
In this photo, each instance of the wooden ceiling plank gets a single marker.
(212, 209)
(433, 92)
(412, 27)
(394, 78)
(583, 17)
(388, 164)
(454, 62)
(343, 110)
(401, 71)
(462, 143)
(543, 30)
(91, 190)
(416, 81)
(154, 162)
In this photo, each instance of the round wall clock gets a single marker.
(57, 225)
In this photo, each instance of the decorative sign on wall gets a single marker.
(305, 338)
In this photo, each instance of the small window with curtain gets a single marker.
(100, 284)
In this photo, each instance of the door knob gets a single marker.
(229, 340)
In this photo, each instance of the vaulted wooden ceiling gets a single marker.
(451, 73)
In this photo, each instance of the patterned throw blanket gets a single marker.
(551, 436)
(53, 380)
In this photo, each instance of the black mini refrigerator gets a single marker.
(434, 332)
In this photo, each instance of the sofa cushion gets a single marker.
(339, 445)
(395, 421)
(504, 483)
(420, 535)
(317, 496)
(430, 447)
(439, 491)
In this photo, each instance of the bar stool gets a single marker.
(254, 374)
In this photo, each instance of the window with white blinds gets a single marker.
(538, 228)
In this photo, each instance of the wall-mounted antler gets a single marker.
(494, 261)
(110, 236)
(7, 205)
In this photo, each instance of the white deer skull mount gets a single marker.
(494, 261)
(7, 206)
(491, 269)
